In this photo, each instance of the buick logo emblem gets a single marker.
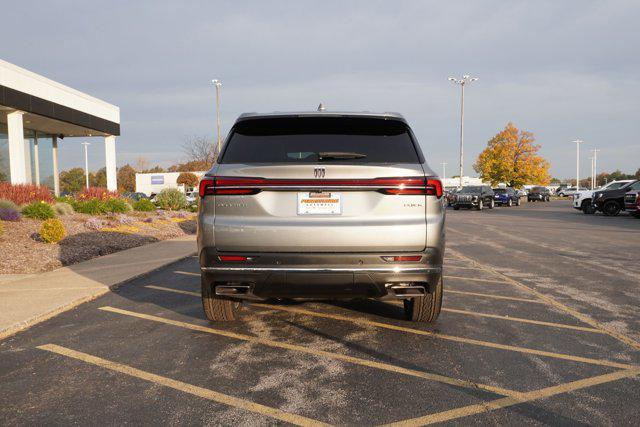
(319, 172)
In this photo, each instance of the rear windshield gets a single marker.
(616, 185)
(343, 140)
(471, 190)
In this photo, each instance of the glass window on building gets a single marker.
(30, 160)
(45, 159)
(4, 154)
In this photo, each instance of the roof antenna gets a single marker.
(321, 107)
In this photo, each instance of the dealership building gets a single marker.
(36, 113)
(153, 183)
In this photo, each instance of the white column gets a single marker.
(56, 176)
(110, 162)
(17, 148)
(36, 158)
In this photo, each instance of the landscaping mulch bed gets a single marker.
(22, 250)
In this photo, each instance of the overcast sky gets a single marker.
(560, 69)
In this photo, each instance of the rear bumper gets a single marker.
(321, 275)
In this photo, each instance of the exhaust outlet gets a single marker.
(405, 290)
(232, 290)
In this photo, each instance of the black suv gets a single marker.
(474, 196)
(611, 202)
(539, 194)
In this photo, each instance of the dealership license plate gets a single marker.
(319, 203)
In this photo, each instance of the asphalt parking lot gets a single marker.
(540, 326)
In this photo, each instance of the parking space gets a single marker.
(508, 349)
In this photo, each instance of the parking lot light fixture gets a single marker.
(217, 83)
(86, 162)
(466, 79)
(594, 175)
(578, 142)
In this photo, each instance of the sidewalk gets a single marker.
(29, 300)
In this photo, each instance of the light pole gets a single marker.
(86, 163)
(462, 82)
(595, 167)
(592, 177)
(578, 142)
(444, 170)
(217, 83)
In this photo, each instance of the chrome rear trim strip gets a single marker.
(428, 270)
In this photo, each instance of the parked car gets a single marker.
(450, 196)
(474, 196)
(560, 188)
(522, 192)
(569, 191)
(135, 196)
(321, 205)
(506, 196)
(539, 194)
(632, 203)
(192, 196)
(611, 202)
(582, 199)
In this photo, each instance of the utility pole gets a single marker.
(595, 167)
(578, 142)
(217, 83)
(444, 170)
(462, 82)
(86, 162)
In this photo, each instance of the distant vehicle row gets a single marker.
(483, 196)
(610, 199)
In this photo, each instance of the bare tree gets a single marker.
(141, 164)
(199, 149)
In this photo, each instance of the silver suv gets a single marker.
(321, 205)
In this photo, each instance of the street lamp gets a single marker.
(578, 142)
(444, 170)
(462, 82)
(86, 163)
(594, 175)
(217, 83)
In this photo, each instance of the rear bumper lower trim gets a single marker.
(423, 270)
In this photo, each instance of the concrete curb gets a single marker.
(89, 288)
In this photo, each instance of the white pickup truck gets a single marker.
(582, 199)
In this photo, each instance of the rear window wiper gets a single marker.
(339, 155)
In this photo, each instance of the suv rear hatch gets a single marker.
(320, 184)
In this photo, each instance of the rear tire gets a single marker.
(456, 208)
(510, 203)
(518, 202)
(611, 208)
(427, 308)
(492, 204)
(216, 308)
(480, 205)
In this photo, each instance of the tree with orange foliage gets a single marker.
(512, 157)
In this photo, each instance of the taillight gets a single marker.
(429, 186)
(434, 187)
(402, 258)
(227, 186)
(207, 186)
